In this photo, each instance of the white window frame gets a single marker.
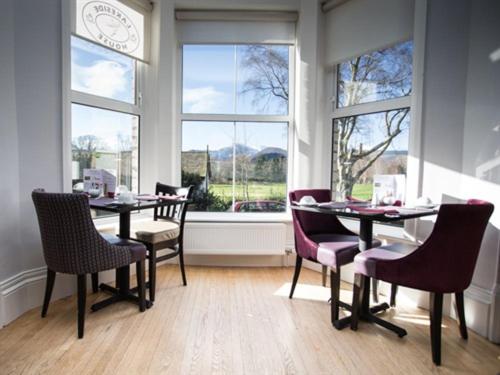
(289, 118)
(70, 97)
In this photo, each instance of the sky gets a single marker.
(212, 78)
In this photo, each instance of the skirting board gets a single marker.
(25, 291)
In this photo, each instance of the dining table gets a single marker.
(122, 291)
(367, 216)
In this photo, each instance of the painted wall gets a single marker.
(9, 150)
(31, 147)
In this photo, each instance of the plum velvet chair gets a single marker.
(444, 263)
(322, 239)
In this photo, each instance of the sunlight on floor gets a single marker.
(311, 292)
(415, 319)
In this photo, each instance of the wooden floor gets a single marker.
(232, 321)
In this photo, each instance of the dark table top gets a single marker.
(409, 213)
(112, 205)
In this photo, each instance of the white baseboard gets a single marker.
(25, 291)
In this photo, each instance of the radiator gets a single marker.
(235, 238)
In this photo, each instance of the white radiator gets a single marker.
(235, 238)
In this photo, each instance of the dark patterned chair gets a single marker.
(72, 245)
(444, 263)
(165, 232)
(322, 239)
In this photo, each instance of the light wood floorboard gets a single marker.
(233, 321)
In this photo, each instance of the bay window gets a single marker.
(371, 119)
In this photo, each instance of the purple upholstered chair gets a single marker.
(322, 239)
(444, 263)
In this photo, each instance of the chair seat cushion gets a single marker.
(335, 250)
(155, 231)
(137, 249)
(365, 262)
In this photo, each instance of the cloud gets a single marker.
(204, 100)
(103, 78)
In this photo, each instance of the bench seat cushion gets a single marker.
(155, 231)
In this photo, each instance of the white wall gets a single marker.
(9, 160)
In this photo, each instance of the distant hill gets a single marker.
(226, 153)
(270, 153)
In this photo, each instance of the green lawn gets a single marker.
(271, 191)
(362, 191)
(275, 191)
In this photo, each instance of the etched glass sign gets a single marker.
(112, 24)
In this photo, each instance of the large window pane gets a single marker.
(99, 71)
(367, 145)
(379, 75)
(235, 166)
(104, 139)
(261, 167)
(235, 79)
(262, 82)
(207, 163)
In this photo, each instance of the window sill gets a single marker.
(230, 217)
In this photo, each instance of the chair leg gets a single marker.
(459, 306)
(298, 265)
(335, 293)
(324, 274)
(394, 292)
(95, 282)
(141, 284)
(359, 285)
(436, 314)
(82, 295)
(152, 274)
(181, 264)
(51, 277)
(375, 290)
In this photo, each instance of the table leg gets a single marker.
(367, 312)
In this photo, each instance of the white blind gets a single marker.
(236, 27)
(360, 26)
(122, 26)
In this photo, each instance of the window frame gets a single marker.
(371, 108)
(70, 96)
(289, 119)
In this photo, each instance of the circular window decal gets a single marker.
(110, 26)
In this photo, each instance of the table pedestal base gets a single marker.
(117, 297)
(372, 318)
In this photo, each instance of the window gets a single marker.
(371, 119)
(105, 116)
(235, 117)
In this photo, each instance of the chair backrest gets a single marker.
(309, 223)
(176, 212)
(445, 262)
(71, 243)
(316, 223)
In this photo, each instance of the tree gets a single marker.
(85, 151)
(375, 76)
(351, 162)
(268, 73)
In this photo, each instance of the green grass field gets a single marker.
(275, 191)
(362, 191)
(272, 191)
